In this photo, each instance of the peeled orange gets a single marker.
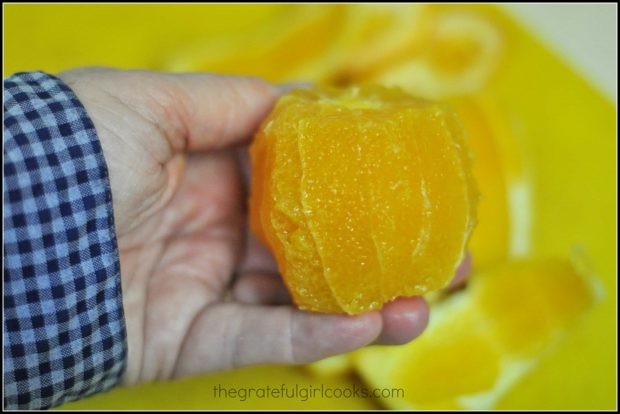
(362, 194)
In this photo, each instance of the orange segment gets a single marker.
(282, 215)
(477, 359)
(373, 35)
(395, 232)
(258, 152)
(336, 206)
(526, 321)
(483, 339)
(363, 195)
(449, 195)
(455, 53)
(490, 242)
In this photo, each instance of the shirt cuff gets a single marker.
(64, 331)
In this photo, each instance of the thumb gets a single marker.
(218, 110)
(194, 111)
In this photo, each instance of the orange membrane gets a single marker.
(363, 195)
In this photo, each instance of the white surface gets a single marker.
(585, 35)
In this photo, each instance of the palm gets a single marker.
(179, 262)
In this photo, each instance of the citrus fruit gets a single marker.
(295, 44)
(363, 195)
(328, 43)
(484, 339)
(456, 53)
(489, 244)
(331, 367)
(374, 35)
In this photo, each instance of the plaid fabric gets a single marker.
(64, 333)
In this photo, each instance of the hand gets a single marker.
(199, 292)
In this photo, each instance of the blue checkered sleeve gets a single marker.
(64, 333)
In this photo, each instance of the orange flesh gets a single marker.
(363, 195)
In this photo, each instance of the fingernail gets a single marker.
(286, 87)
